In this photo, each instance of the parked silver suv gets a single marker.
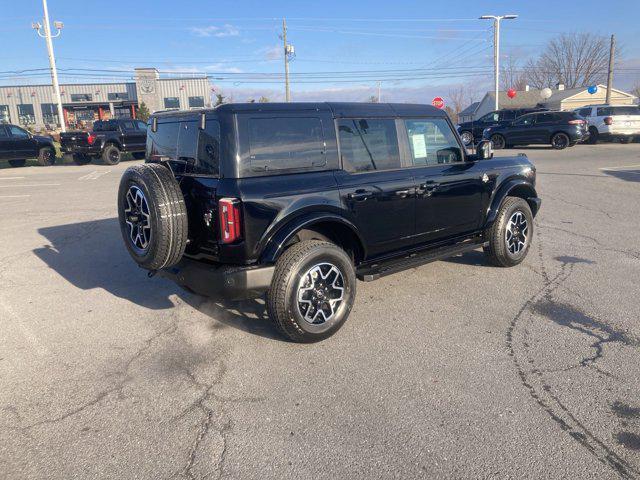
(609, 122)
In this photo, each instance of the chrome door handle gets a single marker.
(428, 188)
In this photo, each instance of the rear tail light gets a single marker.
(91, 138)
(230, 220)
(577, 122)
(608, 120)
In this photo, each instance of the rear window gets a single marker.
(285, 143)
(622, 110)
(105, 126)
(368, 144)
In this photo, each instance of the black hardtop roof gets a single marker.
(337, 109)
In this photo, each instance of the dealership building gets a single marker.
(34, 106)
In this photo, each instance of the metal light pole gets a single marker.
(52, 59)
(496, 47)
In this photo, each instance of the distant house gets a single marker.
(561, 99)
(467, 115)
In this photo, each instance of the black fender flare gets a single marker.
(110, 141)
(516, 187)
(275, 244)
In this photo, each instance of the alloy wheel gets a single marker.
(516, 233)
(320, 293)
(137, 218)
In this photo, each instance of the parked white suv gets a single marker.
(608, 122)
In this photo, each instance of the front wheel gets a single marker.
(560, 141)
(498, 141)
(625, 139)
(509, 238)
(466, 137)
(46, 157)
(593, 135)
(18, 163)
(312, 291)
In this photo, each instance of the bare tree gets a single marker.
(574, 60)
(636, 90)
(459, 99)
(511, 75)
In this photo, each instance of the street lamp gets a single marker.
(44, 31)
(496, 46)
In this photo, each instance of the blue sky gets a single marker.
(419, 49)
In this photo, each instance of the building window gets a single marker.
(4, 114)
(26, 115)
(196, 102)
(85, 115)
(81, 97)
(171, 102)
(117, 96)
(50, 114)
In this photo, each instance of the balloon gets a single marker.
(592, 89)
(511, 93)
(546, 92)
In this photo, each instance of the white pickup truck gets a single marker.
(608, 122)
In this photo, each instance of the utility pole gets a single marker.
(287, 94)
(379, 91)
(612, 51)
(52, 59)
(496, 49)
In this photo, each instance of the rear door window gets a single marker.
(547, 118)
(286, 143)
(507, 115)
(368, 144)
(432, 142)
(525, 120)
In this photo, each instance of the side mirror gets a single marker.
(484, 150)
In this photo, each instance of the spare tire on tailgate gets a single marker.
(153, 216)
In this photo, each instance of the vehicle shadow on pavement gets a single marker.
(91, 255)
(474, 257)
(627, 175)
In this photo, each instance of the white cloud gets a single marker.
(272, 53)
(226, 30)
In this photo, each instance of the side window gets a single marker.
(368, 144)
(546, 118)
(209, 149)
(507, 115)
(17, 132)
(525, 120)
(584, 112)
(603, 111)
(3, 132)
(490, 117)
(432, 142)
(162, 144)
(285, 143)
(141, 125)
(129, 126)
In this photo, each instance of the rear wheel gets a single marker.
(46, 156)
(312, 291)
(560, 141)
(152, 216)
(498, 141)
(81, 159)
(509, 238)
(593, 135)
(18, 163)
(111, 155)
(625, 139)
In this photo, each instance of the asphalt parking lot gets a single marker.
(455, 369)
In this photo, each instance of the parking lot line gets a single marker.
(10, 178)
(616, 167)
(32, 185)
(14, 196)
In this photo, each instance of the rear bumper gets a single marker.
(82, 150)
(220, 281)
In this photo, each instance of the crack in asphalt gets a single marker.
(545, 397)
(585, 207)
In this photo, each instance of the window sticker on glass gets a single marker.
(419, 146)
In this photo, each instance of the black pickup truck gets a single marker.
(297, 200)
(17, 145)
(108, 140)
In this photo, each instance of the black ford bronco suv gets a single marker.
(298, 200)
(108, 140)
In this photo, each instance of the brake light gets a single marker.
(230, 220)
(608, 120)
(577, 122)
(91, 138)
